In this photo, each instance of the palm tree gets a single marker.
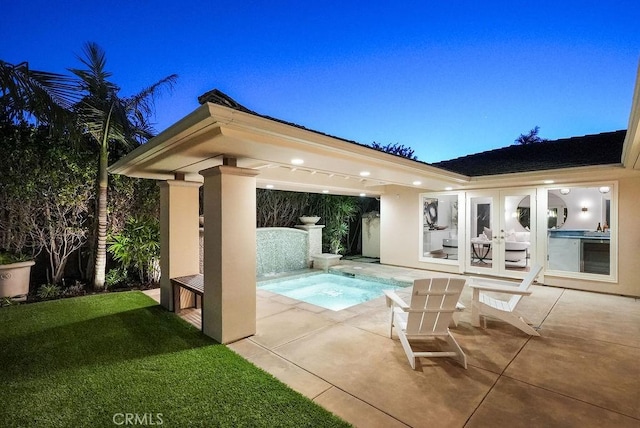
(110, 121)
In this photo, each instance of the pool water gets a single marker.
(335, 292)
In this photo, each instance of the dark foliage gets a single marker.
(396, 149)
(531, 137)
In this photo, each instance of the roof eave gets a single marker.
(188, 125)
(631, 148)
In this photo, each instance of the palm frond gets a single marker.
(46, 96)
(144, 101)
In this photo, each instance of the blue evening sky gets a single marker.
(447, 78)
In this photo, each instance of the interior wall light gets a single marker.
(604, 189)
(565, 191)
(297, 161)
(365, 174)
(585, 209)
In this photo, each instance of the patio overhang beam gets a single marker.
(204, 137)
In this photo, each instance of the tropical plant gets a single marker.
(7, 258)
(98, 111)
(116, 277)
(111, 121)
(137, 246)
(8, 301)
(337, 212)
(28, 95)
(49, 291)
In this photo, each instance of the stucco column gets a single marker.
(179, 246)
(229, 309)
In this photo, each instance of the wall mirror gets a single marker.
(556, 213)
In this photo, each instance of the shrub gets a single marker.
(74, 290)
(7, 258)
(137, 246)
(8, 301)
(49, 291)
(116, 278)
(46, 191)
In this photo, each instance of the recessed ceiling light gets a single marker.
(364, 173)
(363, 194)
(548, 181)
(325, 191)
(417, 183)
(297, 161)
(448, 188)
(269, 186)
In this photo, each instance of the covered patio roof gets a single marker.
(220, 129)
(211, 132)
(203, 138)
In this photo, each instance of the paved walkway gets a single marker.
(583, 371)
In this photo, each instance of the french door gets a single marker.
(500, 238)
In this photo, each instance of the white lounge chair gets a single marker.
(433, 303)
(505, 310)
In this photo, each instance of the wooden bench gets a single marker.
(192, 283)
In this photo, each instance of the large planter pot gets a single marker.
(14, 279)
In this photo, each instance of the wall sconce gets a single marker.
(585, 209)
(604, 189)
(565, 191)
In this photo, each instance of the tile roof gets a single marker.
(588, 150)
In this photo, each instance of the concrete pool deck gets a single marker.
(584, 370)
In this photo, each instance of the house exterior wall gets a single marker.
(628, 247)
(400, 239)
(400, 225)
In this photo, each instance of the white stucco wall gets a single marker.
(400, 229)
(400, 223)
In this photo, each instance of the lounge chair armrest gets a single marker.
(393, 298)
(498, 288)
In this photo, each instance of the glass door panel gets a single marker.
(500, 234)
(482, 217)
(517, 230)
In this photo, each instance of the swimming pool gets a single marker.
(335, 292)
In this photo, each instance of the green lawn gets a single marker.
(90, 361)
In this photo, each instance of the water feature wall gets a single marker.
(281, 249)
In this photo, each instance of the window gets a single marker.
(439, 226)
(579, 230)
